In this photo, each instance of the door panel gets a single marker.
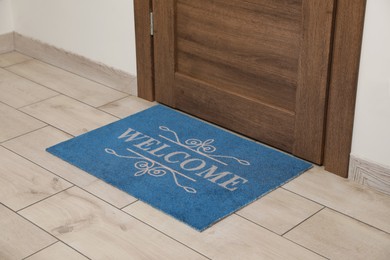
(225, 49)
(258, 67)
(219, 106)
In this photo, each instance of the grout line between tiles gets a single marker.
(100, 107)
(37, 102)
(40, 250)
(97, 197)
(61, 177)
(129, 204)
(48, 124)
(66, 95)
(109, 203)
(257, 224)
(134, 77)
(30, 222)
(18, 63)
(73, 184)
(56, 66)
(56, 238)
(61, 130)
(303, 196)
(297, 225)
(48, 197)
(332, 208)
(161, 232)
(280, 235)
(358, 220)
(60, 240)
(110, 102)
(119, 118)
(114, 101)
(306, 248)
(151, 226)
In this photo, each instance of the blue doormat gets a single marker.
(184, 167)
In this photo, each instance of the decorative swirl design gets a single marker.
(202, 147)
(157, 172)
(193, 143)
(147, 166)
(143, 167)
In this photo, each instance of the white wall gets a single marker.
(101, 30)
(371, 138)
(6, 20)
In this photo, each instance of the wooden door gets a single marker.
(257, 67)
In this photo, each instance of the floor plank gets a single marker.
(58, 251)
(15, 123)
(69, 115)
(344, 196)
(231, 238)
(11, 58)
(100, 231)
(67, 83)
(24, 183)
(18, 92)
(19, 238)
(109, 193)
(337, 236)
(33, 147)
(127, 106)
(280, 210)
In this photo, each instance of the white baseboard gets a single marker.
(369, 174)
(7, 42)
(77, 64)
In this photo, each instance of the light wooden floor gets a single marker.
(51, 210)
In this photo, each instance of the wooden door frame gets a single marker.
(344, 71)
